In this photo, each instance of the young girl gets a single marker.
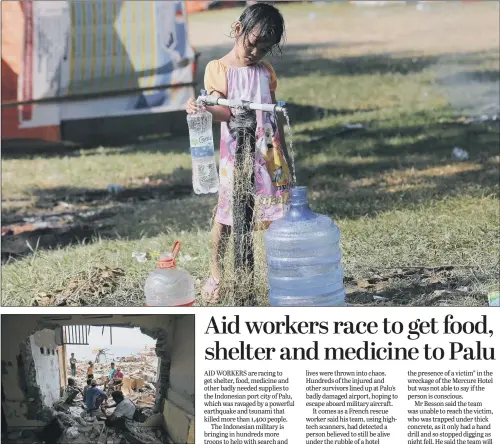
(242, 74)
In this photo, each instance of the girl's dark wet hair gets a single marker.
(268, 20)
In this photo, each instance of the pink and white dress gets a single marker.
(272, 174)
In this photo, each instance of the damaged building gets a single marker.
(34, 377)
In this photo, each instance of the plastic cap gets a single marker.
(167, 260)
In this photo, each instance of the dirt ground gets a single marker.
(356, 30)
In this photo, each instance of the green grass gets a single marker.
(402, 203)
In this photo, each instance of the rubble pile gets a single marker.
(83, 429)
(72, 424)
(139, 434)
(22, 437)
(140, 376)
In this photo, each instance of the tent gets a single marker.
(12, 58)
(91, 60)
(197, 6)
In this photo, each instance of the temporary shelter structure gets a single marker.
(67, 61)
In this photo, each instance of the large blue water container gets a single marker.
(304, 258)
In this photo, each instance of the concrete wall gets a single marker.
(181, 390)
(21, 406)
(178, 410)
(46, 358)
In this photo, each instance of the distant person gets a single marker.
(95, 396)
(112, 372)
(90, 370)
(72, 363)
(243, 74)
(101, 351)
(124, 411)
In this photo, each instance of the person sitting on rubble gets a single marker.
(94, 397)
(68, 396)
(124, 411)
(111, 375)
(118, 379)
(71, 391)
(86, 388)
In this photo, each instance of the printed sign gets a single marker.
(92, 47)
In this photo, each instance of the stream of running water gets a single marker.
(289, 135)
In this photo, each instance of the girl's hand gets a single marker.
(193, 107)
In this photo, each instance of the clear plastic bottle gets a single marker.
(304, 258)
(169, 285)
(205, 176)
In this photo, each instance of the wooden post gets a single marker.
(63, 374)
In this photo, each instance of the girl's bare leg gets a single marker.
(220, 236)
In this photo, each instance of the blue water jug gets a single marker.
(304, 258)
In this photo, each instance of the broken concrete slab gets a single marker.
(85, 429)
(149, 377)
(155, 420)
(21, 437)
(137, 383)
(52, 432)
(72, 432)
(147, 401)
(126, 385)
(137, 433)
(179, 423)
